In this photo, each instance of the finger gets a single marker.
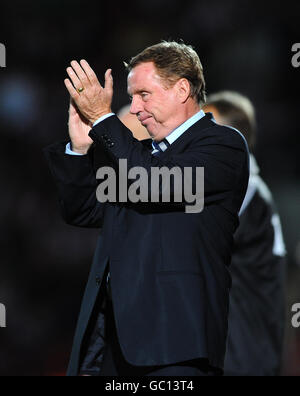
(73, 107)
(80, 73)
(89, 72)
(75, 80)
(72, 91)
(109, 83)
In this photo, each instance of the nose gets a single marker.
(136, 105)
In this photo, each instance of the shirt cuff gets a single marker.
(69, 151)
(103, 118)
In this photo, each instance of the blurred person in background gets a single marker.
(257, 299)
(157, 298)
(131, 122)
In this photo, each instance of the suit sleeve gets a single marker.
(76, 184)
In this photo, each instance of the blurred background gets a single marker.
(244, 46)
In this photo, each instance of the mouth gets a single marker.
(143, 119)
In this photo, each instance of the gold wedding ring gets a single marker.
(79, 90)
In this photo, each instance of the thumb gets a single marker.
(109, 83)
(73, 108)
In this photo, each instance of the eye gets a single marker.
(144, 95)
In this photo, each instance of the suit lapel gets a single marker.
(206, 122)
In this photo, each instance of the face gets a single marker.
(155, 105)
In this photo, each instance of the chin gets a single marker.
(154, 134)
(150, 133)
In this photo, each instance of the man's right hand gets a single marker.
(79, 129)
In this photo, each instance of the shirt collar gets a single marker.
(174, 135)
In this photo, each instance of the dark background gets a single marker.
(243, 45)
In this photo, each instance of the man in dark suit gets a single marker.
(257, 313)
(156, 302)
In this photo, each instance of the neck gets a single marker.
(192, 110)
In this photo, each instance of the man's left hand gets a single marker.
(93, 101)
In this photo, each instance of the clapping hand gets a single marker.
(79, 128)
(89, 102)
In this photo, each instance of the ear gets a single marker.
(183, 89)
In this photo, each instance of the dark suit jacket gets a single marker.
(169, 278)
